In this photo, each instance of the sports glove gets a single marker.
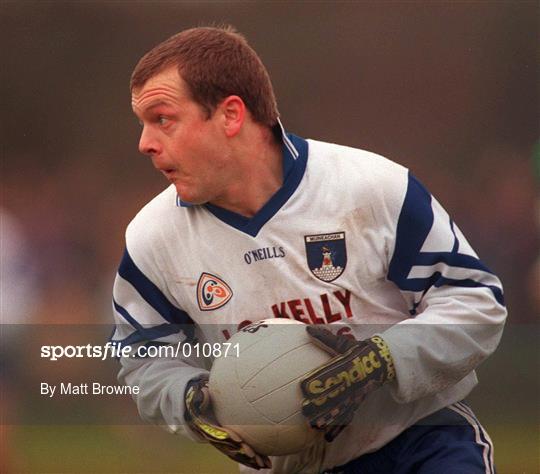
(334, 391)
(200, 419)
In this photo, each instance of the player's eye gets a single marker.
(162, 120)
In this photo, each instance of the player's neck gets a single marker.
(259, 176)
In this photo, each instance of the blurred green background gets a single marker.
(449, 89)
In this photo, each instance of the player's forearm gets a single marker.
(444, 343)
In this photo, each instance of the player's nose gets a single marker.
(148, 145)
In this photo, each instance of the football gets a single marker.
(256, 390)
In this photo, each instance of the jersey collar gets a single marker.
(294, 150)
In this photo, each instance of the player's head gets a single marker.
(214, 62)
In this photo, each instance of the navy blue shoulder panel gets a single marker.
(414, 224)
(150, 292)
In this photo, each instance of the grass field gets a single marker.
(141, 449)
(112, 449)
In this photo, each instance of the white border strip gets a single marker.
(287, 142)
(454, 273)
(468, 410)
(466, 413)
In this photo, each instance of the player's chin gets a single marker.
(187, 194)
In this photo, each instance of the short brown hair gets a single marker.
(215, 62)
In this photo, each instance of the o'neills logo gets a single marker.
(212, 292)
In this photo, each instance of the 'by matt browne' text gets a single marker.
(94, 388)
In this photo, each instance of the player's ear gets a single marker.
(234, 113)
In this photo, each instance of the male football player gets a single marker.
(258, 223)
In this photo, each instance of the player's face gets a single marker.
(186, 146)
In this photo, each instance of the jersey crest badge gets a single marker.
(212, 292)
(326, 255)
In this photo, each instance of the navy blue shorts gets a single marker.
(450, 441)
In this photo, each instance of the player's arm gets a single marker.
(456, 316)
(173, 393)
(172, 387)
(456, 304)
(145, 316)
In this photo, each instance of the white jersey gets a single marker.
(352, 240)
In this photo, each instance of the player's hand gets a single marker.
(333, 391)
(201, 420)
